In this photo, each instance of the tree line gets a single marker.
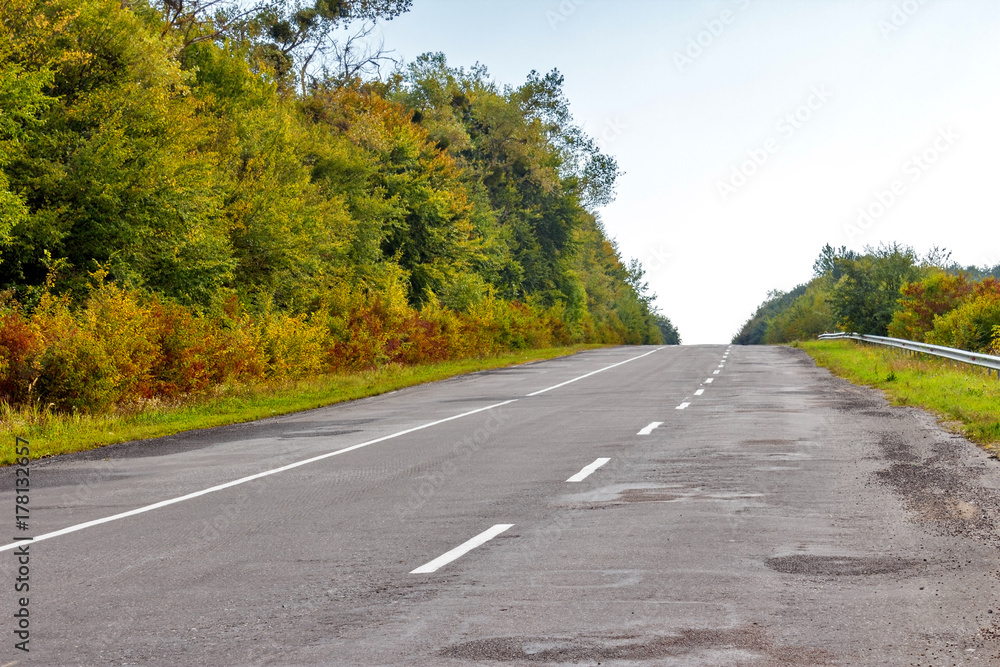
(890, 290)
(184, 179)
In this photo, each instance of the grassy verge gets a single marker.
(966, 399)
(51, 434)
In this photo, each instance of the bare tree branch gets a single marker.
(357, 57)
(291, 35)
(206, 20)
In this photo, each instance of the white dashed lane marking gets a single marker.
(249, 478)
(585, 473)
(649, 429)
(462, 549)
(587, 375)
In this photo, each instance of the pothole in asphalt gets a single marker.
(740, 643)
(649, 495)
(621, 494)
(615, 492)
(772, 443)
(884, 414)
(838, 566)
(896, 448)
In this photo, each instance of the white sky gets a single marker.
(679, 131)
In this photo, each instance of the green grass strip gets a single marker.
(50, 433)
(964, 398)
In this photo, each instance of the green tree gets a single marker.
(865, 297)
(668, 332)
(807, 316)
(118, 171)
(22, 99)
(538, 170)
(229, 157)
(754, 330)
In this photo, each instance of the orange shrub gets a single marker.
(971, 326)
(95, 357)
(19, 345)
(120, 345)
(294, 346)
(919, 303)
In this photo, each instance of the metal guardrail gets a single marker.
(987, 361)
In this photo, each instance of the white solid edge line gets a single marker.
(462, 549)
(699, 392)
(585, 473)
(709, 380)
(646, 430)
(599, 370)
(682, 406)
(242, 480)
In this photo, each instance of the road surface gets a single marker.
(729, 506)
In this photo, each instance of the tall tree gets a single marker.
(865, 297)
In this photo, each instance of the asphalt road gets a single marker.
(780, 517)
